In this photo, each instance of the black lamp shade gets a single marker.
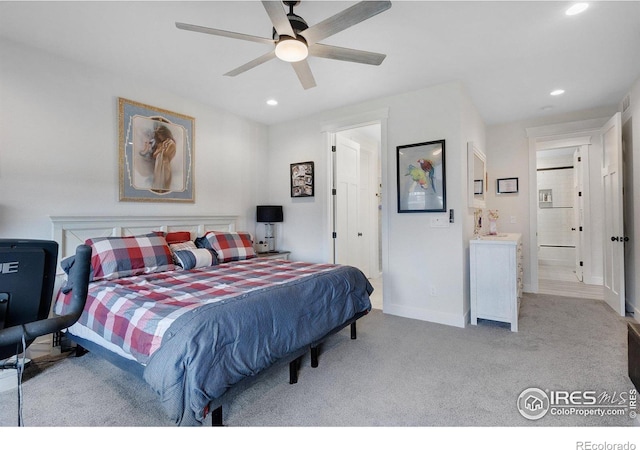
(269, 214)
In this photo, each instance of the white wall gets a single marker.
(473, 130)
(59, 146)
(418, 257)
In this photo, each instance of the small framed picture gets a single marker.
(302, 182)
(507, 185)
(478, 187)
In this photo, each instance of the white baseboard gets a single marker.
(426, 315)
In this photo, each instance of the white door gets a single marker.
(578, 208)
(348, 238)
(612, 180)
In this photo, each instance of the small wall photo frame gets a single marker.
(507, 185)
(302, 179)
(478, 187)
(155, 154)
(421, 177)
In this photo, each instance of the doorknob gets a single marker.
(626, 239)
(359, 234)
(573, 229)
(614, 238)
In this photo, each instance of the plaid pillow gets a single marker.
(188, 256)
(228, 246)
(117, 257)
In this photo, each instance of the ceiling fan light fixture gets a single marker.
(292, 49)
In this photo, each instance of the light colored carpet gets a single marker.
(398, 373)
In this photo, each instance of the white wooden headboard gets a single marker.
(71, 231)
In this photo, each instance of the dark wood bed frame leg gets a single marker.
(293, 370)
(216, 417)
(314, 356)
(353, 330)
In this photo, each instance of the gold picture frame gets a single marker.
(156, 154)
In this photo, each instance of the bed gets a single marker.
(186, 304)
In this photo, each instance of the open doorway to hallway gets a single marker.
(560, 219)
(357, 203)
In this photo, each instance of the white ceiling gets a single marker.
(509, 55)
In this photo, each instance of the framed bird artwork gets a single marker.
(421, 177)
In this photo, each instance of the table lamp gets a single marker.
(269, 214)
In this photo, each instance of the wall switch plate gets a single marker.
(513, 219)
(440, 221)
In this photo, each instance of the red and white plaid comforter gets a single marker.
(135, 312)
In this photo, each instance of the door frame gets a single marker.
(572, 134)
(329, 130)
(578, 209)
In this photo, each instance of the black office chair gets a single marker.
(27, 278)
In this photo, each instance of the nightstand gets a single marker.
(274, 255)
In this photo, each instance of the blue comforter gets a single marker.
(210, 349)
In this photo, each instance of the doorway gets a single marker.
(357, 202)
(560, 216)
(584, 140)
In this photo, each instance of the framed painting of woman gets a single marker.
(156, 154)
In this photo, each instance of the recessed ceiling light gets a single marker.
(576, 9)
(557, 92)
(272, 102)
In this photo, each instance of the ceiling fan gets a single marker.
(293, 40)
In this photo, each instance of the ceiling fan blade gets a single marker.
(304, 74)
(343, 20)
(346, 54)
(251, 64)
(279, 18)
(229, 34)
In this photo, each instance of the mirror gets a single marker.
(477, 183)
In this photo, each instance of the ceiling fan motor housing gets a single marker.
(297, 23)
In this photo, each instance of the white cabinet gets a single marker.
(496, 278)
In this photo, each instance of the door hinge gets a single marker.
(581, 263)
(333, 148)
(580, 229)
(335, 235)
(580, 194)
(579, 158)
(333, 192)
